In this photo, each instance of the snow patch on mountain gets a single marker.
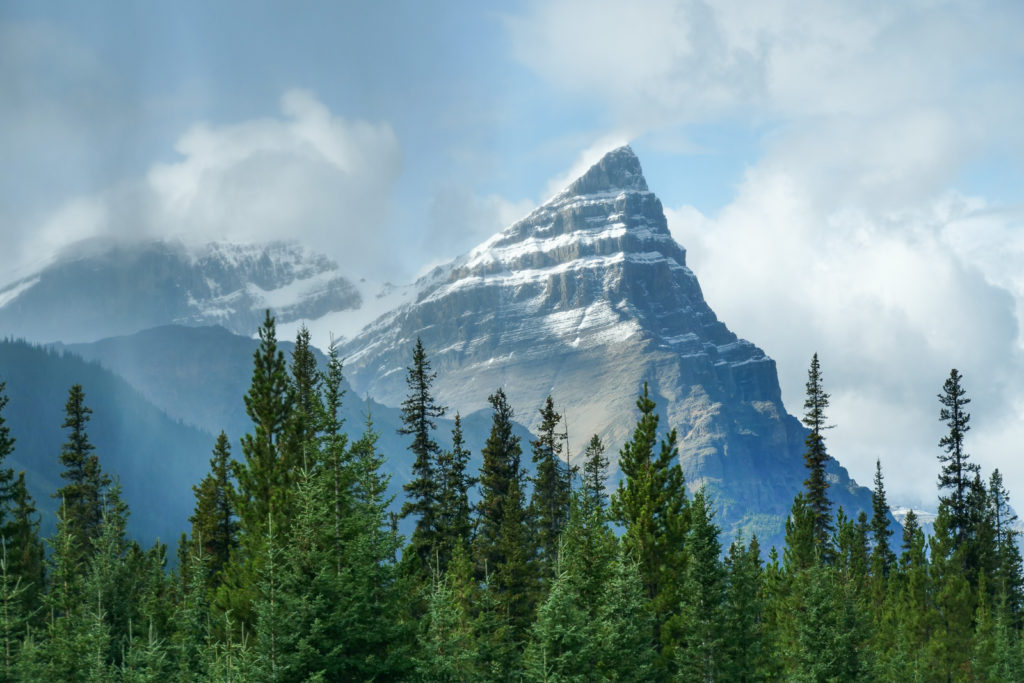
(15, 290)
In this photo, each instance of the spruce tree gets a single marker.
(307, 411)
(82, 496)
(419, 414)
(265, 475)
(650, 502)
(703, 593)
(213, 521)
(503, 546)
(956, 471)
(1008, 579)
(454, 523)
(882, 556)
(743, 614)
(6, 448)
(595, 474)
(549, 505)
(815, 458)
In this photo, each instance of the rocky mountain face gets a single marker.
(585, 299)
(99, 290)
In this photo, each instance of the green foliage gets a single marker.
(955, 476)
(419, 414)
(815, 458)
(650, 503)
(549, 505)
(214, 526)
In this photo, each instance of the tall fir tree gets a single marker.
(703, 594)
(454, 523)
(82, 496)
(265, 475)
(595, 474)
(19, 523)
(1009, 572)
(957, 470)
(419, 414)
(307, 412)
(816, 457)
(650, 503)
(882, 556)
(549, 504)
(503, 547)
(213, 521)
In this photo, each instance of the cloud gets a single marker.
(847, 234)
(458, 220)
(308, 175)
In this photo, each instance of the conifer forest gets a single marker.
(526, 570)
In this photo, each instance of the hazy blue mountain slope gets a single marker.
(156, 458)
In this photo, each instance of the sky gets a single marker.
(847, 177)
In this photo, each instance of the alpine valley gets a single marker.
(584, 299)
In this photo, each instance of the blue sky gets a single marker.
(847, 177)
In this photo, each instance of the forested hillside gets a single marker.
(294, 570)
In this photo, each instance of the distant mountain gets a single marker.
(584, 299)
(101, 289)
(156, 458)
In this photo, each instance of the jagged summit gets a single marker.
(619, 169)
(585, 299)
(107, 288)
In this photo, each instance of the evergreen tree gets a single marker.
(650, 502)
(25, 549)
(213, 520)
(744, 647)
(815, 458)
(956, 471)
(454, 523)
(595, 474)
(6, 448)
(264, 477)
(82, 497)
(446, 645)
(307, 410)
(549, 505)
(703, 594)
(419, 412)
(1008, 570)
(335, 457)
(882, 556)
(503, 546)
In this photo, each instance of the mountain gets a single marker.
(585, 299)
(156, 458)
(100, 289)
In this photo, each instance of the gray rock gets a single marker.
(585, 299)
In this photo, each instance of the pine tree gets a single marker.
(1009, 582)
(503, 546)
(956, 471)
(213, 520)
(815, 458)
(265, 476)
(501, 465)
(307, 410)
(549, 505)
(26, 556)
(703, 592)
(82, 497)
(595, 474)
(335, 457)
(882, 556)
(419, 412)
(6, 448)
(454, 523)
(650, 502)
(743, 606)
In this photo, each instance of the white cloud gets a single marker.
(308, 175)
(847, 235)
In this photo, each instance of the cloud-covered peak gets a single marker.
(619, 169)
